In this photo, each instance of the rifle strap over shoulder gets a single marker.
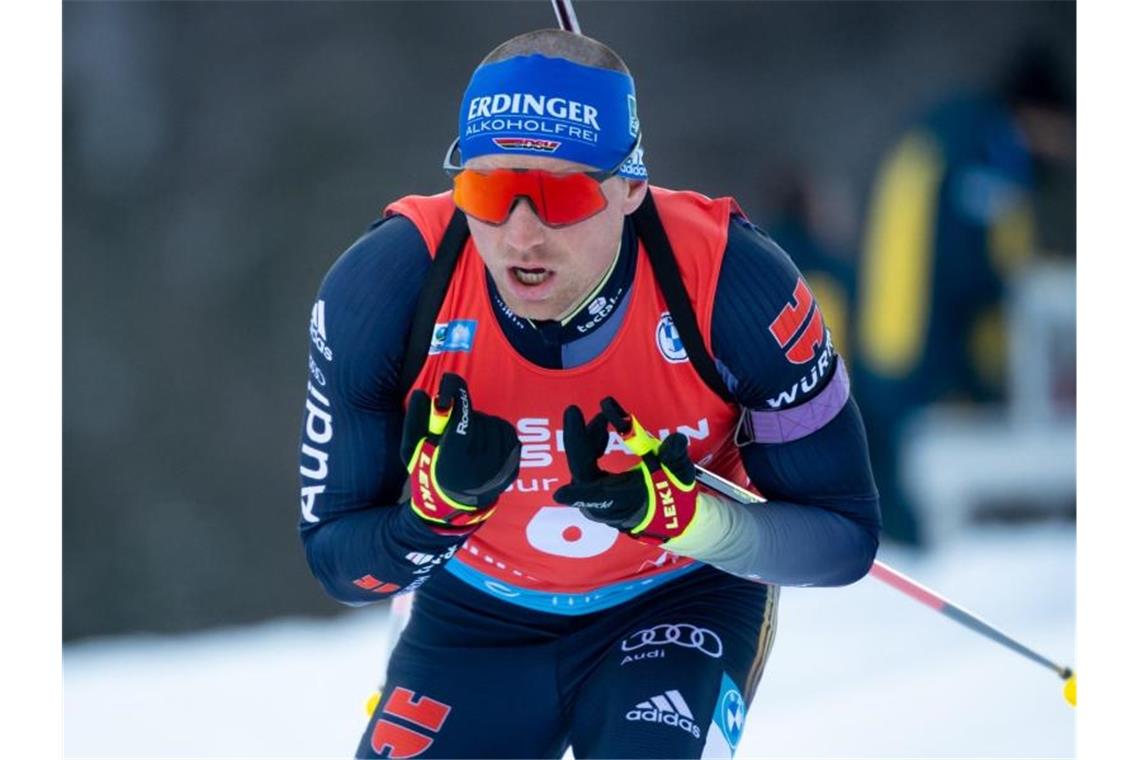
(649, 228)
(431, 299)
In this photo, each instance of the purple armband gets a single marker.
(784, 425)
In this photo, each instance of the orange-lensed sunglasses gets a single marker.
(559, 199)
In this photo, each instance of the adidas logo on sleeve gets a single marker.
(668, 708)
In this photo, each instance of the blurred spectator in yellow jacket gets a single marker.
(954, 214)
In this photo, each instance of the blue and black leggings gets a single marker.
(669, 673)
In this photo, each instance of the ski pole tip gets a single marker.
(1071, 690)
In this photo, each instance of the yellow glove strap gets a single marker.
(709, 526)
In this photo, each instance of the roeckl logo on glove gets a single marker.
(593, 504)
(464, 413)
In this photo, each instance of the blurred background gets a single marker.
(917, 160)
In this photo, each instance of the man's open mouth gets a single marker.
(533, 276)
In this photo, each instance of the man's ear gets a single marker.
(635, 191)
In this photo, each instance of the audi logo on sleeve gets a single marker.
(654, 640)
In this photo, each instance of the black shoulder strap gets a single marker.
(431, 299)
(647, 222)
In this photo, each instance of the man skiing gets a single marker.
(510, 386)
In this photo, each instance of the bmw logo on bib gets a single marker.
(669, 340)
(730, 712)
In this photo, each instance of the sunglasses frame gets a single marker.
(453, 168)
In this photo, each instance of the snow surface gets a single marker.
(860, 671)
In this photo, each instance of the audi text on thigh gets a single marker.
(681, 634)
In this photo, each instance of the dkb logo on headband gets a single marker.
(526, 143)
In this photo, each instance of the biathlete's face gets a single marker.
(544, 271)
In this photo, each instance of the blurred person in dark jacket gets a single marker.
(954, 217)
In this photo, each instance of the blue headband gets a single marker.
(534, 105)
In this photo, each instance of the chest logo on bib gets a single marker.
(669, 340)
(457, 335)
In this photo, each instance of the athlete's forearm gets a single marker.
(362, 557)
(778, 542)
(820, 525)
(361, 544)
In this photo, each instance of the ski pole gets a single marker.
(916, 591)
(567, 19)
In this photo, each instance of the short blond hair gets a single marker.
(557, 43)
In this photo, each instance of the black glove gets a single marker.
(654, 501)
(459, 460)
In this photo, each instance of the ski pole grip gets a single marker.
(618, 418)
(450, 387)
(437, 420)
(636, 439)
